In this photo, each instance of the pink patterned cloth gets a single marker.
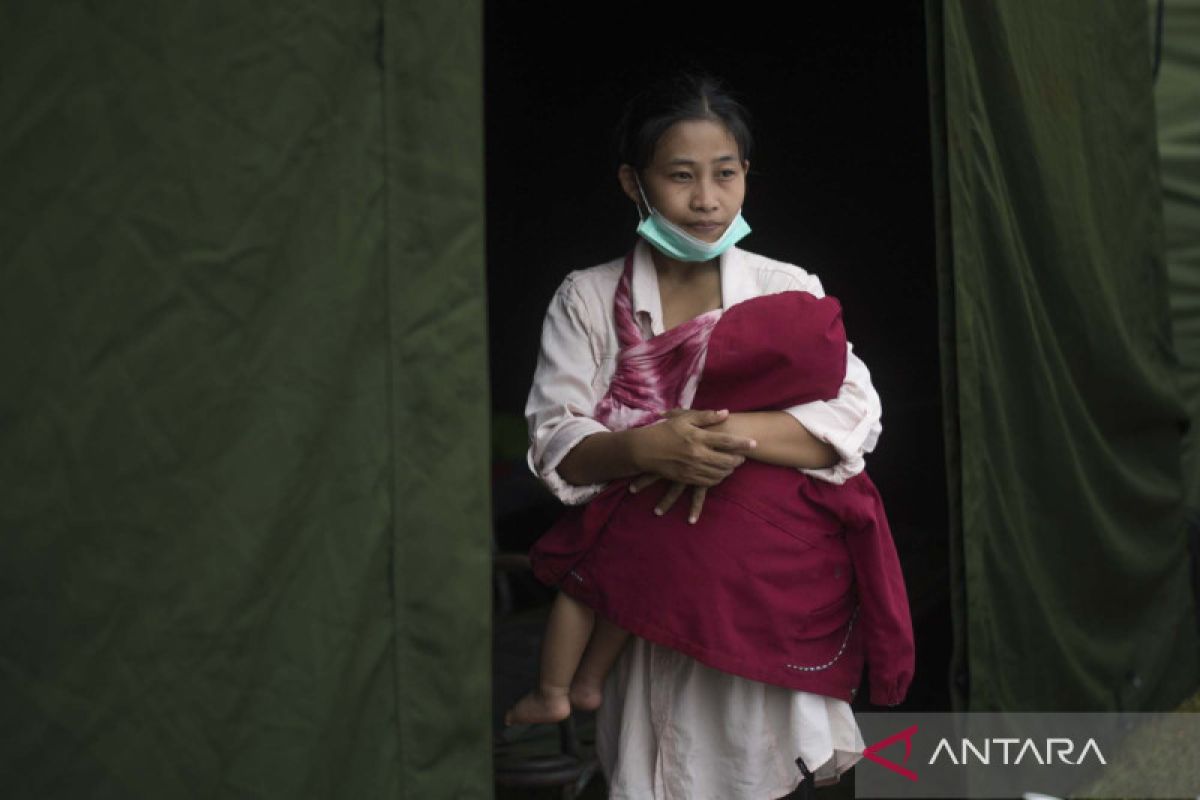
(656, 374)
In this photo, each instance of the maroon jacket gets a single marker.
(785, 578)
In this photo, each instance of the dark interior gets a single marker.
(840, 184)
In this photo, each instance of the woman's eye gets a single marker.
(727, 173)
(680, 175)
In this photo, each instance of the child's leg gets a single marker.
(587, 690)
(566, 636)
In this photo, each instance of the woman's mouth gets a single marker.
(705, 227)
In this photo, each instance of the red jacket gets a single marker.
(785, 578)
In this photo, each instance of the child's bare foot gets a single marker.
(586, 694)
(538, 706)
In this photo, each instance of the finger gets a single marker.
(717, 461)
(699, 417)
(669, 498)
(708, 476)
(642, 481)
(714, 470)
(698, 494)
(729, 443)
(726, 462)
(710, 417)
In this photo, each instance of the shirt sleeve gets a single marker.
(850, 422)
(561, 400)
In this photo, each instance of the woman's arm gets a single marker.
(850, 422)
(600, 457)
(561, 399)
(685, 447)
(781, 439)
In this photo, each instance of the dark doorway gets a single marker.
(840, 185)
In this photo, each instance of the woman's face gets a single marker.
(695, 180)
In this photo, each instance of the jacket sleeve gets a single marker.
(882, 595)
(850, 423)
(561, 400)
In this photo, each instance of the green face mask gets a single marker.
(673, 241)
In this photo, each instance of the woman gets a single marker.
(669, 726)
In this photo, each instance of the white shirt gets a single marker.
(671, 728)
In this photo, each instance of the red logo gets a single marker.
(906, 735)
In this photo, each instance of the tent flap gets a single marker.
(242, 555)
(1073, 589)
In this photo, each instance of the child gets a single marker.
(692, 157)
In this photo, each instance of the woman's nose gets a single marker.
(704, 198)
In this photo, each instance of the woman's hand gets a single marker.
(680, 450)
(668, 499)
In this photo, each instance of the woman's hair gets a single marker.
(675, 98)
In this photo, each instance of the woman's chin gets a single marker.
(707, 236)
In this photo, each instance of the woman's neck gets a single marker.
(681, 272)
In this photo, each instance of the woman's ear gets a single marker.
(745, 167)
(625, 175)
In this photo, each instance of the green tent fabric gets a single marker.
(245, 545)
(1064, 415)
(1177, 100)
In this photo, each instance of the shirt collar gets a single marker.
(736, 284)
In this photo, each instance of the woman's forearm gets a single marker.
(781, 439)
(601, 457)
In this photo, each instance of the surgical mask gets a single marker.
(674, 241)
